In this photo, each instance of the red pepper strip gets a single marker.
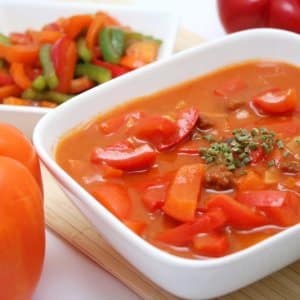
(154, 129)
(283, 208)
(182, 196)
(239, 216)
(5, 78)
(186, 122)
(64, 57)
(137, 159)
(183, 234)
(211, 244)
(114, 197)
(116, 70)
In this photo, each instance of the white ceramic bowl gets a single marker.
(19, 16)
(185, 278)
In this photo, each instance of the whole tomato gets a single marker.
(237, 15)
(22, 230)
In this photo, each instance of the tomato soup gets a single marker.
(202, 169)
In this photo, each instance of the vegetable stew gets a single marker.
(202, 169)
(47, 67)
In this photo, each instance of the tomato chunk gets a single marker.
(182, 196)
(154, 196)
(277, 101)
(127, 159)
(231, 86)
(211, 244)
(114, 197)
(239, 215)
(183, 234)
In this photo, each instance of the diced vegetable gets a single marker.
(211, 244)
(19, 75)
(136, 226)
(179, 204)
(48, 68)
(239, 215)
(83, 52)
(39, 83)
(250, 181)
(96, 73)
(231, 86)
(183, 234)
(50, 95)
(112, 44)
(114, 197)
(4, 40)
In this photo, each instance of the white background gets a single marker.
(67, 274)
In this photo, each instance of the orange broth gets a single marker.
(225, 99)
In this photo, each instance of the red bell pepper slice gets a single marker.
(183, 234)
(114, 197)
(283, 208)
(182, 196)
(116, 70)
(154, 129)
(277, 101)
(211, 244)
(126, 158)
(64, 58)
(186, 122)
(5, 78)
(239, 216)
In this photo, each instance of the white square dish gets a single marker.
(19, 16)
(185, 278)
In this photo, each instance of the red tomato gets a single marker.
(237, 15)
(22, 239)
(15, 145)
(64, 56)
(183, 234)
(239, 216)
(114, 197)
(211, 244)
(126, 158)
(277, 101)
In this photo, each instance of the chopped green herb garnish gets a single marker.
(236, 152)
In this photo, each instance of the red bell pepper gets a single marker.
(183, 234)
(64, 58)
(186, 121)
(243, 14)
(126, 158)
(116, 70)
(182, 196)
(277, 101)
(5, 78)
(283, 208)
(239, 216)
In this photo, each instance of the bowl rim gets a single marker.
(169, 42)
(79, 192)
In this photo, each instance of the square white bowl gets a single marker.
(19, 16)
(182, 277)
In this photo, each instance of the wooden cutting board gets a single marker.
(67, 221)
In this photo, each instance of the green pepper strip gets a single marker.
(83, 52)
(4, 40)
(39, 83)
(93, 72)
(112, 43)
(49, 96)
(48, 68)
(131, 37)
